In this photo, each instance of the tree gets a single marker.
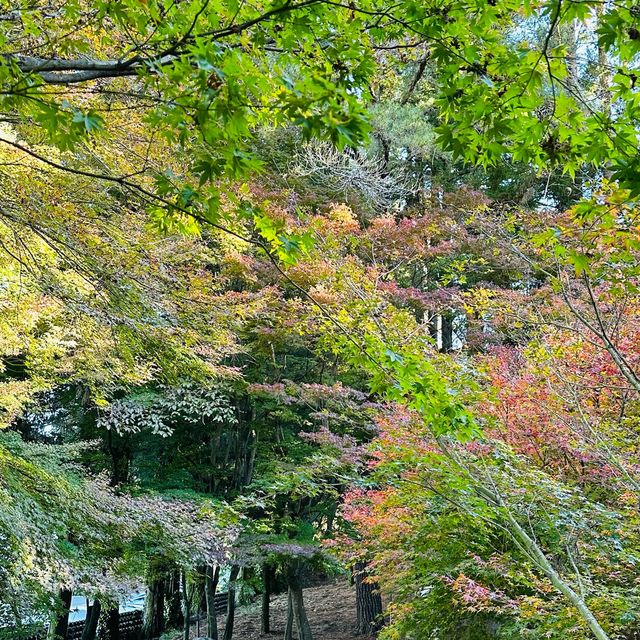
(369, 615)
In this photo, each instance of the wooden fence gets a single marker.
(129, 626)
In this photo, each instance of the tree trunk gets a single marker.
(153, 620)
(231, 603)
(296, 600)
(210, 587)
(447, 333)
(537, 554)
(120, 458)
(331, 518)
(173, 601)
(532, 548)
(186, 607)
(90, 630)
(433, 326)
(113, 623)
(288, 630)
(59, 630)
(300, 614)
(267, 579)
(251, 462)
(368, 603)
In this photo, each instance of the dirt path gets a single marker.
(331, 609)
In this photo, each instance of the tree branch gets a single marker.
(77, 70)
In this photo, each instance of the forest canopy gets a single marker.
(297, 292)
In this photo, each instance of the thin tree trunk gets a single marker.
(267, 579)
(173, 601)
(331, 517)
(288, 630)
(294, 580)
(368, 602)
(113, 623)
(90, 630)
(231, 603)
(251, 460)
(447, 332)
(119, 452)
(59, 630)
(604, 73)
(433, 326)
(154, 622)
(300, 615)
(210, 587)
(531, 546)
(186, 607)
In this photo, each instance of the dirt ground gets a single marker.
(331, 609)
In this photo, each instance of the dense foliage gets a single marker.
(294, 289)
